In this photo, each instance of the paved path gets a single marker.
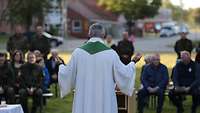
(148, 44)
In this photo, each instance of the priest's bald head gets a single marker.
(97, 30)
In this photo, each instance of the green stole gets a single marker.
(94, 47)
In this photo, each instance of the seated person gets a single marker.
(46, 76)
(16, 63)
(154, 80)
(6, 80)
(185, 82)
(52, 65)
(31, 83)
(38, 55)
(147, 60)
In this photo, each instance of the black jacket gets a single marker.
(17, 73)
(185, 75)
(31, 76)
(19, 42)
(52, 68)
(7, 76)
(153, 76)
(183, 45)
(42, 44)
(126, 48)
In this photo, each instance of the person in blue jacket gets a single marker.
(46, 75)
(186, 81)
(154, 80)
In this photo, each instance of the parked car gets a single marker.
(55, 41)
(184, 28)
(168, 31)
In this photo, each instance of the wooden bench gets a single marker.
(44, 95)
(152, 102)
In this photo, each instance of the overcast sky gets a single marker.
(187, 3)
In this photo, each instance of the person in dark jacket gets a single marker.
(16, 63)
(53, 64)
(46, 75)
(40, 42)
(6, 80)
(31, 83)
(184, 44)
(185, 82)
(18, 41)
(125, 49)
(154, 80)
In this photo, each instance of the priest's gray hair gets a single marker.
(97, 30)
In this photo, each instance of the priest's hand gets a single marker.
(137, 57)
(117, 88)
(58, 60)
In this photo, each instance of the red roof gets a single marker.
(91, 10)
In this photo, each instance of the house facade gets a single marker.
(82, 13)
(53, 17)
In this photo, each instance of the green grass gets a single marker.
(58, 105)
(3, 39)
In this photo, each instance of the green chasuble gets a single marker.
(94, 47)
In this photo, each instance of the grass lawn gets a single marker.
(57, 105)
(3, 39)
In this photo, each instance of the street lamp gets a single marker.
(64, 18)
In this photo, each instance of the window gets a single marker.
(76, 26)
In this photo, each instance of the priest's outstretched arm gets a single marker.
(124, 75)
(66, 77)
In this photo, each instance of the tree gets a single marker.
(133, 9)
(197, 16)
(176, 10)
(23, 11)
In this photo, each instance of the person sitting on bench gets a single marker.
(154, 79)
(31, 83)
(185, 82)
